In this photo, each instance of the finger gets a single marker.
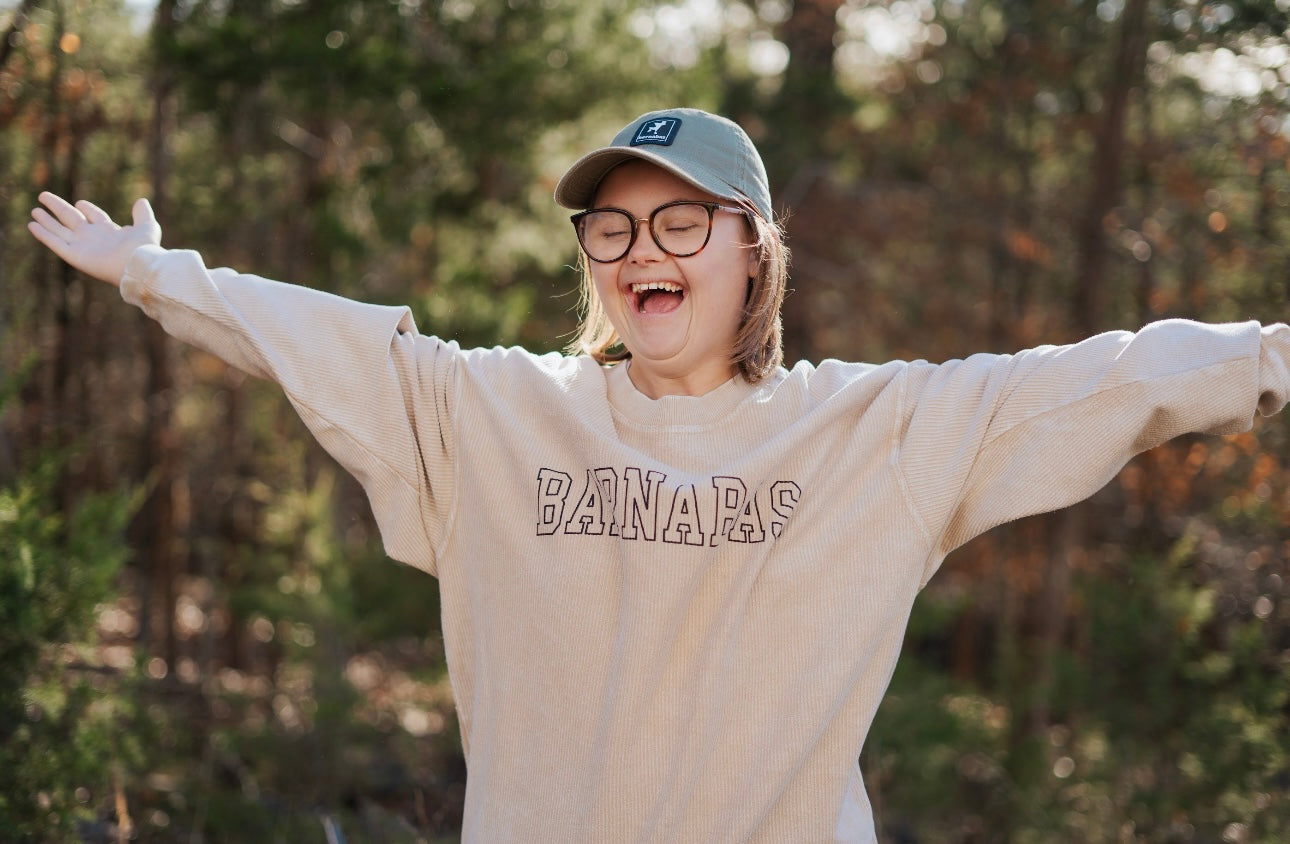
(56, 244)
(142, 213)
(92, 212)
(48, 223)
(66, 214)
(145, 218)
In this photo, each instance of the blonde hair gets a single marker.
(759, 342)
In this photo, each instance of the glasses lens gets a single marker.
(682, 229)
(606, 235)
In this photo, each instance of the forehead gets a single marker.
(642, 183)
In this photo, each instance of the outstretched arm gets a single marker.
(84, 236)
(994, 438)
(375, 393)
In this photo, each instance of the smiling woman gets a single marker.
(675, 311)
(674, 574)
(675, 162)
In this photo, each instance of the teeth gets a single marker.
(669, 286)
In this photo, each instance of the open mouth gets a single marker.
(657, 297)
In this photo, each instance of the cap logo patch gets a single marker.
(659, 130)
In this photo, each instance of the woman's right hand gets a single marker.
(84, 236)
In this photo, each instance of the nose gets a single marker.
(643, 247)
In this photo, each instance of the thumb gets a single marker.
(146, 220)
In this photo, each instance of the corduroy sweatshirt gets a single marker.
(673, 620)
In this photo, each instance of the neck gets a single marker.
(657, 382)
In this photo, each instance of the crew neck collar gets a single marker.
(680, 412)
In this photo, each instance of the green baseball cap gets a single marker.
(708, 151)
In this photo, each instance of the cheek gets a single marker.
(733, 277)
(604, 282)
(725, 297)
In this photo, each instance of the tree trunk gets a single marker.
(808, 97)
(159, 548)
(1147, 270)
(1108, 157)
(1068, 529)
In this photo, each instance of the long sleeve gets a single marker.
(993, 438)
(370, 388)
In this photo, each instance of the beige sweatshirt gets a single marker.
(673, 620)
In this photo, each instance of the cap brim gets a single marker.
(577, 187)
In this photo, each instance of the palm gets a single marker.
(87, 238)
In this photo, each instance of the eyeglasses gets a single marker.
(680, 229)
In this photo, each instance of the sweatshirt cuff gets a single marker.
(138, 268)
(1274, 368)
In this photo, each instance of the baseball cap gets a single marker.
(709, 151)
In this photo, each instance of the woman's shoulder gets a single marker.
(515, 365)
(830, 374)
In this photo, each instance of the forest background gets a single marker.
(200, 638)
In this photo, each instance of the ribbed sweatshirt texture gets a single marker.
(673, 620)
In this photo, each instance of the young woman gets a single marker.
(675, 575)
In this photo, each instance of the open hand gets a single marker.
(84, 236)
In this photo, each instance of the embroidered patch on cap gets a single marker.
(658, 130)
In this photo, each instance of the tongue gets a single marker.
(660, 302)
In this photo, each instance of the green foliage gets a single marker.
(58, 735)
(1169, 725)
(343, 716)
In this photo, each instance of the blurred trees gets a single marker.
(59, 732)
(958, 176)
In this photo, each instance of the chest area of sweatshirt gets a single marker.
(762, 480)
